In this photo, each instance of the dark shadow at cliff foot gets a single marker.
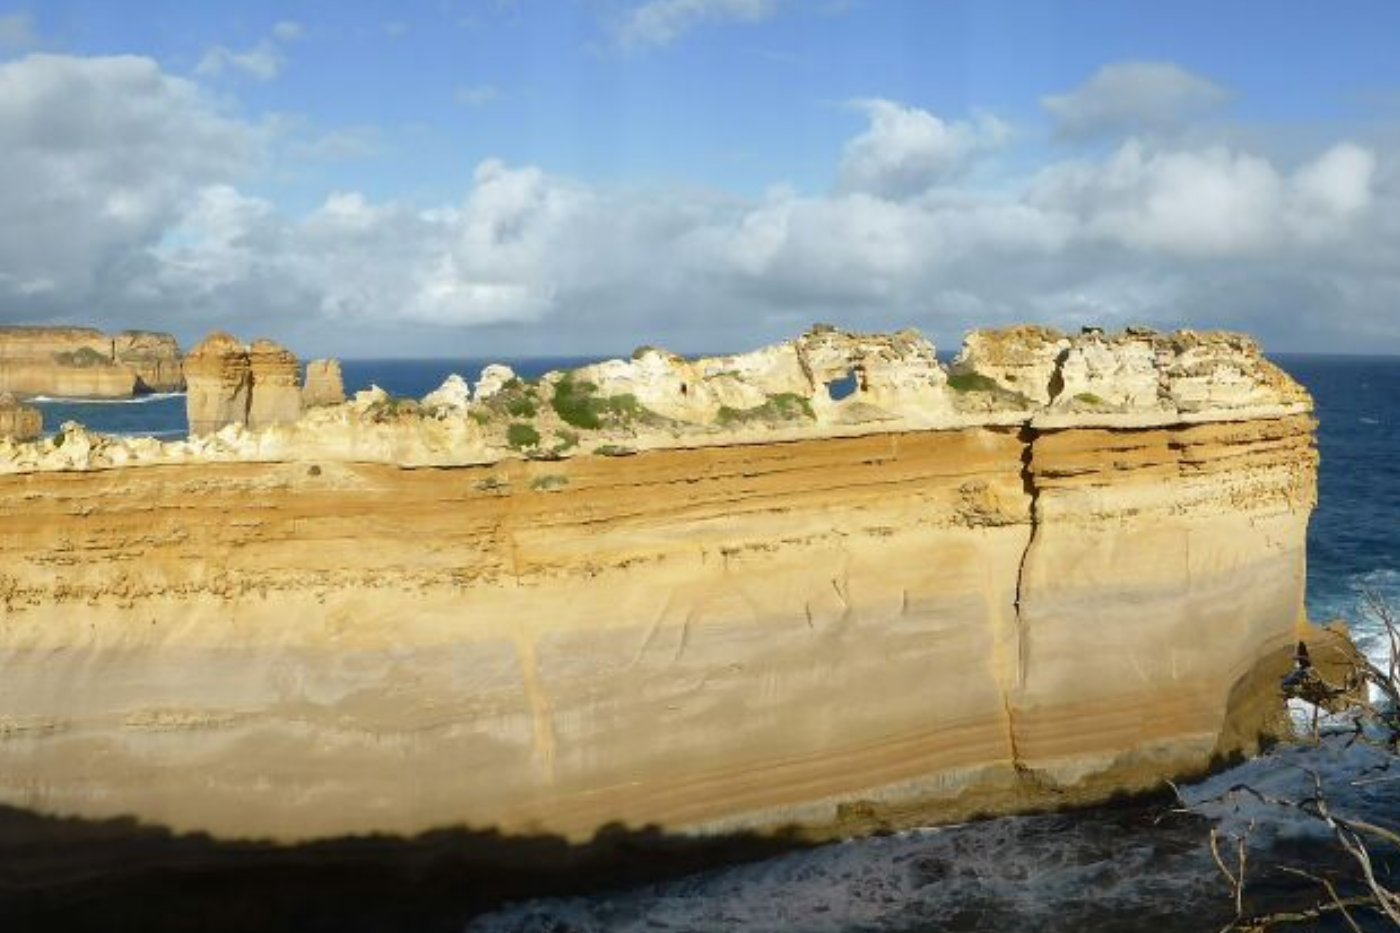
(119, 875)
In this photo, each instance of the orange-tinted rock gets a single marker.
(19, 422)
(276, 397)
(219, 384)
(324, 384)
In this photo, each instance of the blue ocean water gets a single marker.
(1104, 869)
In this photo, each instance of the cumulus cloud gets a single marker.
(263, 61)
(102, 156)
(661, 22)
(1133, 97)
(17, 32)
(906, 150)
(137, 217)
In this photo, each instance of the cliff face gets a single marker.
(700, 593)
(81, 362)
(255, 386)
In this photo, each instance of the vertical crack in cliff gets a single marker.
(1027, 436)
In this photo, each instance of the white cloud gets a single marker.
(17, 32)
(288, 31)
(475, 95)
(906, 150)
(263, 61)
(1133, 97)
(102, 156)
(661, 22)
(128, 179)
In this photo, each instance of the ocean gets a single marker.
(1129, 867)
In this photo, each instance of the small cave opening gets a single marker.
(842, 388)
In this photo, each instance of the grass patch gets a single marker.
(614, 450)
(548, 482)
(521, 436)
(394, 408)
(577, 402)
(972, 382)
(785, 406)
(83, 358)
(1089, 398)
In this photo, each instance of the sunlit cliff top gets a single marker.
(248, 405)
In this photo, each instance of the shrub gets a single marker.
(548, 482)
(576, 402)
(520, 435)
(972, 382)
(393, 408)
(614, 450)
(521, 406)
(1089, 398)
(785, 406)
(83, 357)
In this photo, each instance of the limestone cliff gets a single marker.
(81, 362)
(324, 385)
(828, 582)
(256, 386)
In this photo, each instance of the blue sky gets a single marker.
(665, 163)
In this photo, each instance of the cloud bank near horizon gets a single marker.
(134, 185)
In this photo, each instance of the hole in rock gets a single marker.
(842, 388)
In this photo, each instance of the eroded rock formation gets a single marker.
(19, 422)
(81, 362)
(697, 593)
(256, 386)
(324, 384)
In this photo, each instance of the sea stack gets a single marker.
(829, 584)
(218, 384)
(228, 383)
(276, 374)
(324, 385)
(19, 422)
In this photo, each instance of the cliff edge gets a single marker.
(81, 362)
(830, 583)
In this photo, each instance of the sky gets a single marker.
(570, 177)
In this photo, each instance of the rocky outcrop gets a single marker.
(154, 357)
(218, 384)
(324, 385)
(826, 583)
(256, 386)
(276, 379)
(19, 422)
(81, 362)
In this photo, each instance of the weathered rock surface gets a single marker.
(324, 384)
(218, 384)
(19, 422)
(754, 604)
(256, 386)
(81, 362)
(276, 378)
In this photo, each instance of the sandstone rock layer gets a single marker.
(81, 362)
(869, 625)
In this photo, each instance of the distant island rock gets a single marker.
(83, 362)
(830, 584)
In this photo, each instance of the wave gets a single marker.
(134, 400)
